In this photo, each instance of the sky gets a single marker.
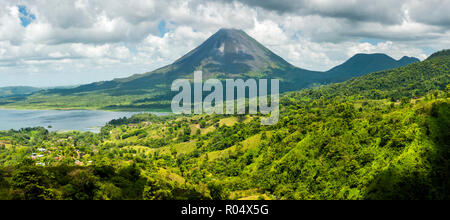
(47, 43)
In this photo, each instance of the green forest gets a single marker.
(380, 136)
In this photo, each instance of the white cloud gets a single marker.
(159, 51)
(71, 42)
(10, 28)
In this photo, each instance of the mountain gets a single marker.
(411, 81)
(17, 90)
(404, 61)
(442, 53)
(361, 64)
(229, 53)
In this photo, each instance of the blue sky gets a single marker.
(162, 28)
(25, 16)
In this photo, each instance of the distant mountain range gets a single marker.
(411, 81)
(229, 53)
(361, 64)
(28, 90)
(17, 90)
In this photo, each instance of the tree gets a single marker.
(405, 100)
(82, 184)
(29, 183)
(217, 191)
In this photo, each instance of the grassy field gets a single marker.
(91, 101)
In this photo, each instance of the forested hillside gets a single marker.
(324, 149)
(411, 81)
(353, 140)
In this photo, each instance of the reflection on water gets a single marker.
(56, 120)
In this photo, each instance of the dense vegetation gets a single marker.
(325, 149)
(333, 142)
(411, 81)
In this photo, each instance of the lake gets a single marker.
(60, 120)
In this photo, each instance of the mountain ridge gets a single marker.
(233, 53)
(229, 53)
(361, 64)
(410, 81)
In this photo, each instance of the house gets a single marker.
(147, 123)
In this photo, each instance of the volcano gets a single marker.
(231, 54)
(231, 51)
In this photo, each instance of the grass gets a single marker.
(228, 121)
(171, 176)
(181, 148)
(250, 194)
(7, 144)
(208, 130)
(185, 148)
(96, 101)
(248, 144)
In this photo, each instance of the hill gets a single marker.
(335, 149)
(410, 81)
(362, 64)
(17, 90)
(442, 53)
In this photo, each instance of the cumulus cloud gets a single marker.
(434, 12)
(48, 42)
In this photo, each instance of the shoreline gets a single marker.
(17, 119)
(88, 109)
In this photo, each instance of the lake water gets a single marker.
(80, 120)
